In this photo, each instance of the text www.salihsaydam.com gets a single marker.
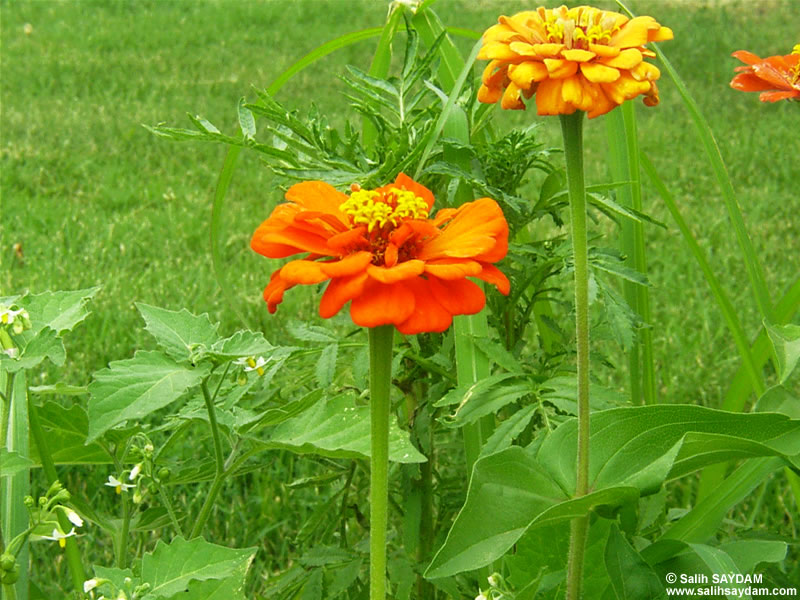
(716, 590)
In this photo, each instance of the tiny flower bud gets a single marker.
(89, 585)
(135, 471)
(29, 501)
(42, 501)
(163, 474)
(148, 449)
(7, 561)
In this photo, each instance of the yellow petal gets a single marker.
(578, 55)
(627, 59)
(558, 68)
(548, 50)
(511, 99)
(549, 100)
(625, 88)
(604, 51)
(524, 74)
(496, 50)
(633, 33)
(523, 48)
(572, 92)
(597, 73)
(645, 72)
(661, 35)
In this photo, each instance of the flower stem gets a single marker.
(380, 377)
(572, 131)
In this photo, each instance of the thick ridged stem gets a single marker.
(572, 130)
(380, 378)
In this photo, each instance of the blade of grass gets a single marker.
(624, 162)
(741, 385)
(14, 516)
(755, 272)
(725, 305)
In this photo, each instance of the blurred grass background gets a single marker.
(89, 197)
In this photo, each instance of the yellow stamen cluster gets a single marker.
(372, 208)
(795, 71)
(581, 27)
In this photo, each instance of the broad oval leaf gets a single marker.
(134, 388)
(179, 333)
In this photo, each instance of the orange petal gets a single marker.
(496, 51)
(382, 304)
(472, 231)
(401, 272)
(597, 73)
(572, 92)
(662, 34)
(318, 196)
(604, 51)
(306, 272)
(645, 72)
(523, 49)
(453, 269)
(747, 82)
(489, 95)
(548, 50)
(746, 57)
(625, 88)
(287, 241)
(352, 237)
(403, 181)
(429, 315)
(350, 265)
(273, 293)
(775, 96)
(601, 104)
(339, 292)
(459, 296)
(493, 275)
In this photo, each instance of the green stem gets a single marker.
(380, 378)
(9, 591)
(212, 421)
(572, 131)
(170, 509)
(48, 466)
(123, 532)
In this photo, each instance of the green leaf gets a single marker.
(12, 463)
(786, 341)
(562, 392)
(780, 400)
(45, 344)
(60, 311)
(66, 430)
(748, 554)
(231, 588)
(172, 568)
(631, 577)
(246, 121)
(310, 333)
(508, 430)
(338, 428)
(326, 365)
(719, 562)
(243, 344)
(115, 576)
(132, 389)
(641, 446)
(180, 333)
(473, 406)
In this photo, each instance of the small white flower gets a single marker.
(481, 597)
(74, 517)
(135, 471)
(89, 585)
(8, 316)
(59, 537)
(118, 485)
(252, 363)
(412, 5)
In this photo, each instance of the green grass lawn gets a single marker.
(90, 197)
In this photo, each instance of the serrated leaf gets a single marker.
(562, 392)
(60, 311)
(44, 345)
(338, 428)
(477, 405)
(115, 576)
(12, 463)
(180, 333)
(132, 389)
(171, 568)
(786, 342)
(507, 431)
(326, 365)
(243, 344)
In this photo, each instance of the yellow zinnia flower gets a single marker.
(572, 59)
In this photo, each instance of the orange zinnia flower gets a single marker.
(380, 250)
(572, 59)
(776, 77)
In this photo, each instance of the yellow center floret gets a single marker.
(376, 209)
(581, 27)
(795, 71)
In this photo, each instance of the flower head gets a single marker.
(118, 485)
(252, 363)
(381, 252)
(59, 537)
(571, 59)
(776, 77)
